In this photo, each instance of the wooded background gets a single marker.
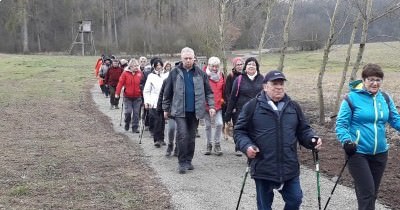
(145, 27)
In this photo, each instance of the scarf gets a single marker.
(252, 77)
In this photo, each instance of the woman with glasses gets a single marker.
(360, 127)
(244, 88)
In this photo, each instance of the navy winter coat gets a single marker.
(276, 135)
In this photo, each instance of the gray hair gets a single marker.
(187, 50)
(132, 62)
(214, 61)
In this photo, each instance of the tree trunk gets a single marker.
(109, 26)
(364, 33)
(24, 26)
(222, 10)
(115, 26)
(286, 34)
(268, 7)
(103, 24)
(346, 64)
(322, 70)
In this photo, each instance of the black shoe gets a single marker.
(126, 126)
(169, 150)
(163, 143)
(182, 169)
(116, 107)
(135, 130)
(176, 152)
(157, 144)
(189, 166)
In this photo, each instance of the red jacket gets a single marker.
(131, 82)
(97, 69)
(218, 90)
(112, 76)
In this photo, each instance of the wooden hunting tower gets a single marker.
(84, 32)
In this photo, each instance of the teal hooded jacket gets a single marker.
(365, 124)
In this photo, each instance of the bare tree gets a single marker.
(268, 5)
(346, 64)
(221, 27)
(115, 25)
(325, 59)
(366, 17)
(286, 34)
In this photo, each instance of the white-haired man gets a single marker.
(186, 93)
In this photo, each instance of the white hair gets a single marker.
(142, 59)
(214, 61)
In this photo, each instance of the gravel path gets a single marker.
(215, 182)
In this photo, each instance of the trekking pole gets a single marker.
(337, 181)
(142, 128)
(243, 184)
(122, 109)
(316, 161)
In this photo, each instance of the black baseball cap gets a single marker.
(274, 75)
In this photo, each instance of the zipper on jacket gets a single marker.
(280, 149)
(375, 126)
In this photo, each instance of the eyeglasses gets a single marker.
(371, 80)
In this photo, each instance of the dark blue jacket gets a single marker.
(275, 135)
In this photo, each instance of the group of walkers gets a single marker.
(268, 124)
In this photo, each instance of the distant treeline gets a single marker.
(165, 26)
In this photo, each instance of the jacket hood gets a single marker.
(356, 86)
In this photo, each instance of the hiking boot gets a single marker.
(189, 166)
(209, 149)
(126, 126)
(238, 153)
(182, 169)
(169, 150)
(157, 144)
(217, 149)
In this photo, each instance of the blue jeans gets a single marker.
(291, 193)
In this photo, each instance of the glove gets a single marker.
(350, 147)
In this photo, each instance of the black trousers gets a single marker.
(367, 172)
(158, 124)
(185, 137)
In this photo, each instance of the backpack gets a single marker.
(385, 95)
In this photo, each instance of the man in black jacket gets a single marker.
(267, 131)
